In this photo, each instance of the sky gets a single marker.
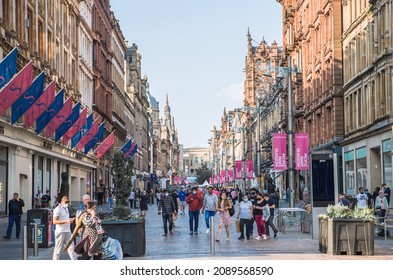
(194, 51)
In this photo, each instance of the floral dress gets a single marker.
(224, 218)
(92, 237)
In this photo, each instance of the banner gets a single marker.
(133, 152)
(50, 112)
(301, 151)
(105, 145)
(279, 152)
(8, 67)
(210, 181)
(223, 176)
(82, 131)
(126, 146)
(88, 135)
(71, 120)
(59, 118)
(238, 169)
(99, 135)
(75, 128)
(215, 179)
(230, 176)
(28, 98)
(130, 150)
(249, 169)
(16, 87)
(42, 103)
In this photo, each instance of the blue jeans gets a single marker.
(13, 218)
(209, 214)
(194, 218)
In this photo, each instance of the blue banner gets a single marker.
(23, 103)
(75, 139)
(50, 112)
(95, 139)
(8, 67)
(126, 146)
(66, 125)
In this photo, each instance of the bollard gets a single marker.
(24, 251)
(212, 240)
(35, 252)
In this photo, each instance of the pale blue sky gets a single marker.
(194, 51)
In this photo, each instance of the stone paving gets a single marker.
(290, 245)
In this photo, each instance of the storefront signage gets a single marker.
(348, 156)
(361, 153)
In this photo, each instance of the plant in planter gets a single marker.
(346, 231)
(128, 229)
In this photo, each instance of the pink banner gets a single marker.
(301, 151)
(279, 151)
(215, 179)
(230, 175)
(238, 169)
(249, 169)
(59, 118)
(210, 181)
(223, 176)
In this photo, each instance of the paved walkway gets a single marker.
(291, 245)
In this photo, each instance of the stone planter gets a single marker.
(130, 233)
(346, 237)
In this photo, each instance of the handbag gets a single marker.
(231, 210)
(237, 224)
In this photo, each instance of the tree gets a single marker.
(122, 177)
(203, 174)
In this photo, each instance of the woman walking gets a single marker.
(224, 219)
(261, 214)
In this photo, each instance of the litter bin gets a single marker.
(43, 218)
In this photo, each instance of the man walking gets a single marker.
(361, 198)
(14, 215)
(269, 223)
(209, 206)
(194, 202)
(168, 209)
(62, 220)
(182, 198)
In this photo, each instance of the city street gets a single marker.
(291, 245)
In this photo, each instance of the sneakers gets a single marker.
(165, 234)
(275, 234)
(6, 237)
(208, 231)
(195, 233)
(264, 236)
(191, 232)
(241, 238)
(258, 238)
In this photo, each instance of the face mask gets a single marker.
(194, 192)
(65, 205)
(245, 199)
(166, 194)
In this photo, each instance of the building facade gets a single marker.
(367, 49)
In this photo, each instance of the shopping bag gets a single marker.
(237, 223)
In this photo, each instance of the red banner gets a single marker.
(76, 126)
(279, 152)
(301, 151)
(230, 175)
(223, 176)
(59, 118)
(89, 134)
(105, 145)
(249, 169)
(238, 169)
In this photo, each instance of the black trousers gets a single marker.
(248, 224)
(268, 224)
(167, 218)
(251, 225)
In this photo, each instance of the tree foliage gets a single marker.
(122, 177)
(203, 174)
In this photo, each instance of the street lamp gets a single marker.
(288, 71)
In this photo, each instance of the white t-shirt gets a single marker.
(362, 200)
(62, 214)
(245, 209)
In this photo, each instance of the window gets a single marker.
(387, 163)
(41, 39)
(29, 25)
(361, 168)
(48, 177)
(3, 179)
(349, 173)
(40, 176)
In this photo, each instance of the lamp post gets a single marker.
(291, 178)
